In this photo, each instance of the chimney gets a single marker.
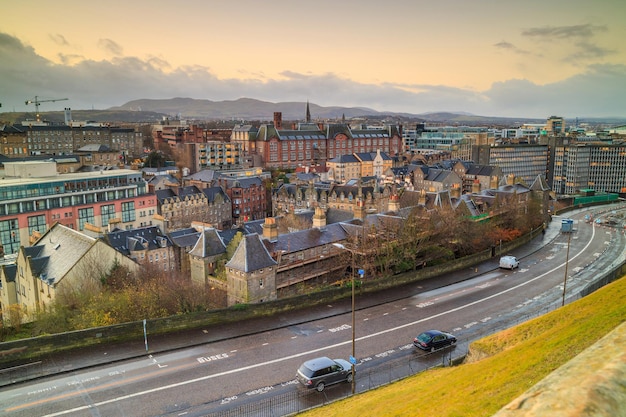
(510, 179)
(455, 192)
(476, 186)
(494, 182)
(394, 202)
(422, 198)
(278, 120)
(319, 218)
(270, 229)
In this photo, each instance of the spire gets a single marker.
(308, 112)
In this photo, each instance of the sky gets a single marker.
(506, 58)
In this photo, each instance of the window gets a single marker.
(108, 213)
(10, 235)
(128, 211)
(85, 216)
(37, 223)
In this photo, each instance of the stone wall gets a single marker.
(591, 384)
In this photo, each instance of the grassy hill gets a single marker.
(501, 367)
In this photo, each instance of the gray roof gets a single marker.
(212, 192)
(206, 175)
(184, 238)
(251, 255)
(57, 251)
(209, 244)
(308, 238)
(125, 241)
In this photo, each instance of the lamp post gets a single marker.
(569, 238)
(352, 281)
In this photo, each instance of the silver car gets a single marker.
(319, 372)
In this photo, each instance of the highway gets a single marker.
(229, 373)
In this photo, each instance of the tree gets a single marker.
(155, 159)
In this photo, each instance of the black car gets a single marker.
(433, 340)
(320, 372)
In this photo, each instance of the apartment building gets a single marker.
(33, 197)
(39, 138)
(523, 161)
(248, 196)
(582, 165)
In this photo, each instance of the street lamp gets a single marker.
(353, 356)
(569, 238)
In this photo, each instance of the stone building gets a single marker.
(251, 273)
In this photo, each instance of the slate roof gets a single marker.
(246, 182)
(184, 238)
(308, 238)
(163, 179)
(183, 192)
(251, 255)
(10, 271)
(481, 170)
(125, 241)
(209, 244)
(345, 159)
(206, 175)
(94, 147)
(213, 192)
(57, 251)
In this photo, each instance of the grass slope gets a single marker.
(513, 361)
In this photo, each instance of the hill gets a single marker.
(508, 364)
(248, 109)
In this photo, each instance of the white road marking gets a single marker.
(297, 355)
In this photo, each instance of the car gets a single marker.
(320, 372)
(434, 339)
(509, 262)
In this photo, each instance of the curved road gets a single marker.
(232, 372)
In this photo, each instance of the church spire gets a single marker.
(308, 112)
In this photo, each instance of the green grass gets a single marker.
(512, 362)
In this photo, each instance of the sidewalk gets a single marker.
(102, 354)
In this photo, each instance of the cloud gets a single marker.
(59, 39)
(510, 47)
(110, 47)
(600, 91)
(564, 32)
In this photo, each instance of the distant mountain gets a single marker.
(248, 109)
(251, 109)
(242, 109)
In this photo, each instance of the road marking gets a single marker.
(297, 355)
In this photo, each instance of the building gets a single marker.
(248, 196)
(62, 260)
(30, 139)
(588, 165)
(251, 273)
(311, 144)
(181, 206)
(147, 246)
(555, 126)
(523, 161)
(33, 197)
(214, 155)
(477, 177)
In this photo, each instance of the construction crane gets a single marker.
(37, 102)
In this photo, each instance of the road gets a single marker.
(229, 373)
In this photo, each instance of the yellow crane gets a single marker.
(37, 102)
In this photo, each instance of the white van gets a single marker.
(509, 262)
